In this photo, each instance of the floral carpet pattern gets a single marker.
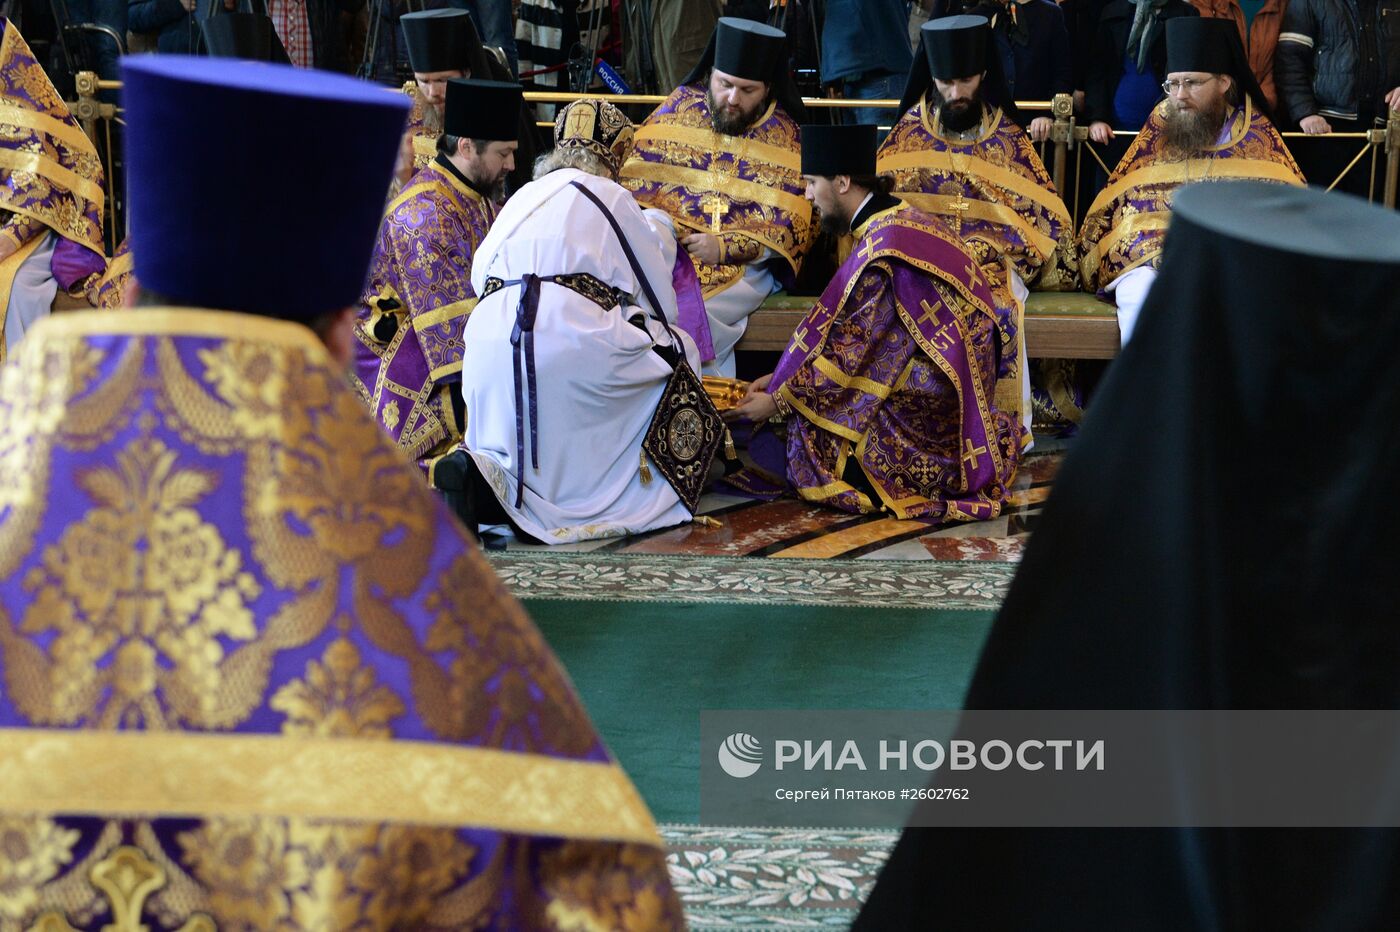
(969, 585)
(752, 879)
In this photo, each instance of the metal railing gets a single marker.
(1067, 136)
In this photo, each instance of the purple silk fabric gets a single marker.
(206, 533)
(66, 192)
(690, 304)
(422, 258)
(72, 263)
(905, 384)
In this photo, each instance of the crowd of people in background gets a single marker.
(1110, 54)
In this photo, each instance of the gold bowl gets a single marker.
(725, 393)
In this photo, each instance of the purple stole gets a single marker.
(423, 261)
(914, 247)
(1127, 222)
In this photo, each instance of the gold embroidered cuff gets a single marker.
(738, 249)
(784, 406)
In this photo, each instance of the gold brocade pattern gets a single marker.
(272, 874)
(31, 853)
(595, 890)
(185, 498)
(994, 190)
(49, 168)
(1125, 226)
(741, 187)
(143, 582)
(338, 697)
(515, 656)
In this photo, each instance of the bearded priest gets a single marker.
(721, 159)
(1213, 126)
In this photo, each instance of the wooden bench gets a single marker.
(1059, 324)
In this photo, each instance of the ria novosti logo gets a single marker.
(741, 755)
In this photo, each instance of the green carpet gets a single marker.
(647, 666)
(651, 641)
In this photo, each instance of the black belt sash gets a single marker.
(522, 341)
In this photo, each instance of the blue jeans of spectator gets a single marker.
(874, 86)
(494, 24)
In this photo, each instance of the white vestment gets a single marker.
(598, 379)
(1020, 292)
(32, 293)
(1129, 292)
(729, 310)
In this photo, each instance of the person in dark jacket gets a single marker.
(1337, 69)
(103, 50)
(1128, 64)
(175, 23)
(866, 53)
(1036, 56)
(1082, 21)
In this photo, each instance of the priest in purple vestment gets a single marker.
(888, 386)
(255, 677)
(442, 45)
(958, 152)
(51, 194)
(419, 293)
(1213, 126)
(720, 158)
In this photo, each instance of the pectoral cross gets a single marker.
(960, 206)
(716, 207)
(970, 454)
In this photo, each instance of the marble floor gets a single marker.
(794, 529)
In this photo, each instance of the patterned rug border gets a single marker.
(964, 585)
(773, 878)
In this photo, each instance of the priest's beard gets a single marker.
(432, 119)
(732, 121)
(836, 222)
(493, 187)
(959, 115)
(1186, 133)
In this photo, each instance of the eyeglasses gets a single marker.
(1188, 85)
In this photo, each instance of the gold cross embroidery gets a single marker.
(929, 312)
(716, 207)
(970, 454)
(971, 271)
(867, 248)
(799, 339)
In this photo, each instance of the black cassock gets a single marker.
(1221, 536)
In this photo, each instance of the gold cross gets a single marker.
(799, 339)
(867, 248)
(927, 317)
(716, 207)
(960, 206)
(970, 454)
(971, 271)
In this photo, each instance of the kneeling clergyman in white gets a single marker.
(564, 363)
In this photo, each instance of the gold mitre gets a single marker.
(598, 126)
